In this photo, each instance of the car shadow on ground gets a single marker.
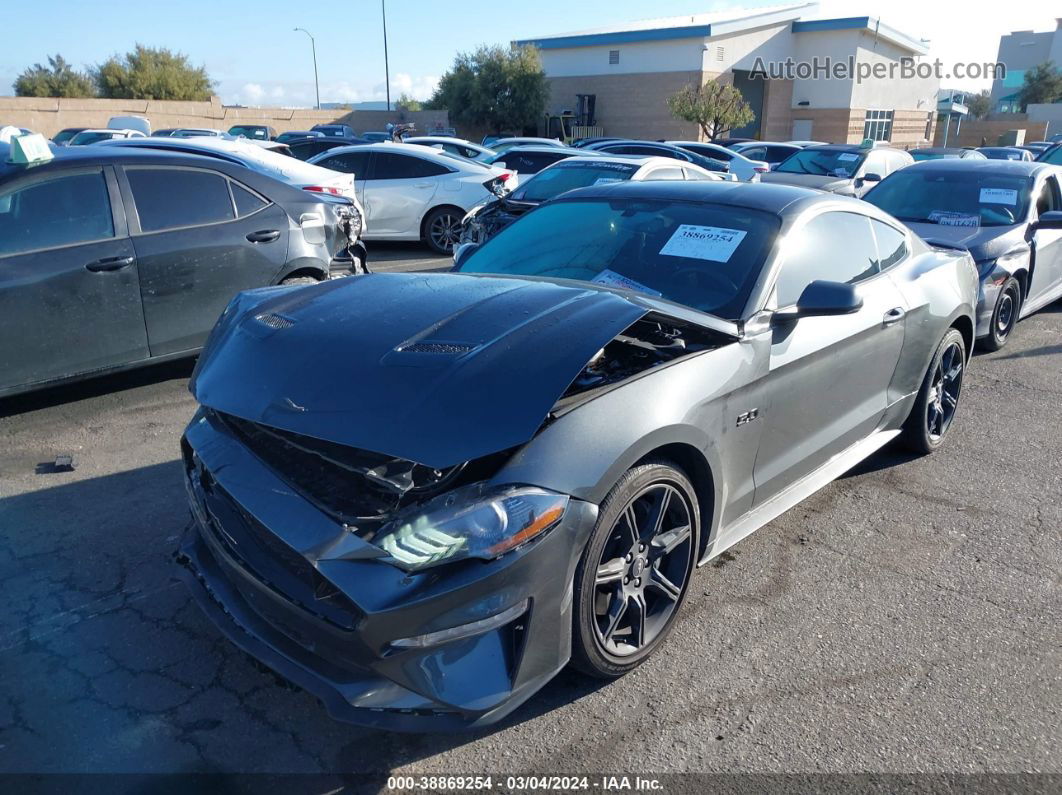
(97, 386)
(102, 643)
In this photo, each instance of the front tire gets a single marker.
(442, 229)
(938, 399)
(1004, 316)
(635, 570)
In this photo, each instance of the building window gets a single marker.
(613, 56)
(720, 55)
(878, 125)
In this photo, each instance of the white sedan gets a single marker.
(455, 146)
(744, 168)
(504, 144)
(413, 192)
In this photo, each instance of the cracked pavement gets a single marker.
(904, 619)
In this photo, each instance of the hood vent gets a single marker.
(451, 348)
(274, 321)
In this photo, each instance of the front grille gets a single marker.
(359, 488)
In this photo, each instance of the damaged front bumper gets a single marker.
(452, 647)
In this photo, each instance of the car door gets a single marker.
(69, 286)
(828, 376)
(398, 192)
(1046, 276)
(199, 238)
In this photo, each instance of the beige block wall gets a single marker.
(49, 115)
(629, 105)
(776, 123)
(973, 130)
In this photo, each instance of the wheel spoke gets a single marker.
(950, 400)
(638, 615)
(662, 584)
(665, 543)
(617, 609)
(632, 522)
(658, 512)
(610, 571)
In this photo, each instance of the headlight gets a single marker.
(356, 223)
(470, 522)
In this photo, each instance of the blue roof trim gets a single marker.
(844, 23)
(619, 37)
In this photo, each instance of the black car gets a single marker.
(305, 148)
(113, 258)
(659, 149)
(1006, 153)
(529, 160)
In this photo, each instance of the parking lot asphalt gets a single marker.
(905, 618)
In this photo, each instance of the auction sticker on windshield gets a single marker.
(847, 156)
(613, 279)
(999, 196)
(715, 243)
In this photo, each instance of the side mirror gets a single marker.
(462, 251)
(820, 299)
(1049, 220)
(872, 177)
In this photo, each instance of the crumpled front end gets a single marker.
(272, 561)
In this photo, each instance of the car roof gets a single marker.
(768, 197)
(73, 156)
(449, 139)
(940, 150)
(542, 149)
(529, 138)
(408, 149)
(1015, 168)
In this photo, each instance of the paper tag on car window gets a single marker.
(999, 196)
(613, 279)
(945, 218)
(841, 172)
(845, 157)
(606, 180)
(715, 243)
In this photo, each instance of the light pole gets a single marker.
(387, 67)
(313, 47)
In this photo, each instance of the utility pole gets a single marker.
(387, 66)
(313, 47)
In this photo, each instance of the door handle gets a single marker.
(894, 315)
(264, 236)
(109, 264)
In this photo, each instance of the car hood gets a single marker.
(983, 242)
(433, 368)
(824, 182)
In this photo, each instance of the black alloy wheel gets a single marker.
(636, 569)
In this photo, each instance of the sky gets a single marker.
(256, 57)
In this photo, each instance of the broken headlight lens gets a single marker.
(470, 522)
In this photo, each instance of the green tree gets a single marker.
(715, 107)
(57, 79)
(494, 87)
(149, 73)
(1042, 84)
(980, 105)
(406, 102)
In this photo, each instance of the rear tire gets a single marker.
(442, 229)
(635, 571)
(938, 399)
(1004, 316)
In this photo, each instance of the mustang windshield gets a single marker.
(823, 162)
(954, 198)
(706, 256)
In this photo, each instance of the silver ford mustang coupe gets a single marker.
(419, 496)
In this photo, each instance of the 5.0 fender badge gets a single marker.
(747, 417)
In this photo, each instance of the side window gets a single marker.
(171, 198)
(356, 163)
(755, 153)
(246, 202)
(387, 165)
(666, 173)
(892, 244)
(833, 247)
(55, 211)
(1048, 199)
